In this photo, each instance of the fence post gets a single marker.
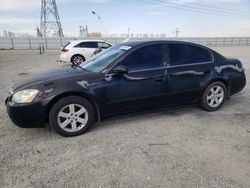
(30, 43)
(12, 43)
(61, 41)
(40, 48)
(46, 45)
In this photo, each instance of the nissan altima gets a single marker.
(127, 77)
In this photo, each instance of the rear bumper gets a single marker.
(238, 83)
(65, 57)
(26, 115)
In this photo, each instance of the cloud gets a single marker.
(28, 5)
(205, 1)
(32, 21)
(19, 5)
(156, 13)
(74, 19)
(17, 21)
(97, 1)
(84, 1)
(245, 24)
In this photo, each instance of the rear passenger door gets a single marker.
(188, 67)
(87, 49)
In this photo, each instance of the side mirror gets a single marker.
(120, 70)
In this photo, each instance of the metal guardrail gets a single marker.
(57, 42)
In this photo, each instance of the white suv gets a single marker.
(78, 51)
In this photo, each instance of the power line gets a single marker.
(220, 8)
(191, 9)
(201, 7)
(99, 18)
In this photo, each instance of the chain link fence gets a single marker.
(57, 42)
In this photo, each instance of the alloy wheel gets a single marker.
(215, 96)
(77, 59)
(72, 117)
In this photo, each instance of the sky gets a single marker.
(141, 16)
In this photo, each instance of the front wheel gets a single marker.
(71, 116)
(214, 96)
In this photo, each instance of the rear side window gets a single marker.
(103, 45)
(145, 58)
(87, 45)
(181, 54)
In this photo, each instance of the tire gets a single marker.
(71, 116)
(77, 59)
(213, 96)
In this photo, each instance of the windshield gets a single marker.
(102, 60)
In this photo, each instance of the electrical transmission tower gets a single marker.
(83, 31)
(176, 32)
(50, 21)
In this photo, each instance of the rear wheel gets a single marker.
(214, 96)
(71, 116)
(77, 59)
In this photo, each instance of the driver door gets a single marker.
(143, 86)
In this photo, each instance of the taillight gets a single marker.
(65, 50)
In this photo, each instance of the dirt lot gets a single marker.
(184, 148)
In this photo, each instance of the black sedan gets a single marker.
(128, 77)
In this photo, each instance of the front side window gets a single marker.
(181, 54)
(101, 61)
(87, 45)
(148, 57)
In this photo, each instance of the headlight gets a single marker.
(24, 96)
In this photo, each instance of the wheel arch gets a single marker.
(224, 81)
(92, 101)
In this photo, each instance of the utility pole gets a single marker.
(176, 32)
(99, 18)
(50, 22)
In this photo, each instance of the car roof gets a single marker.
(87, 40)
(136, 43)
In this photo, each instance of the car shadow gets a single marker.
(137, 117)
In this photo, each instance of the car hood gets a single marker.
(52, 75)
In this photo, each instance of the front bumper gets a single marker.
(26, 115)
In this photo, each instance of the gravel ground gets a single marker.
(183, 148)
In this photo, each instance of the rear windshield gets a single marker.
(66, 45)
